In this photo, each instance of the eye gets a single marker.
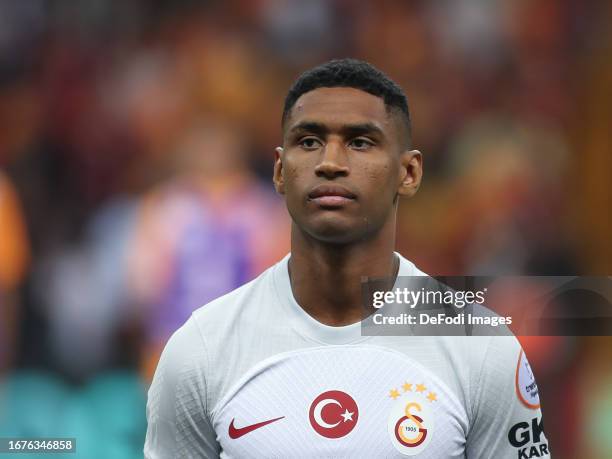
(361, 144)
(310, 143)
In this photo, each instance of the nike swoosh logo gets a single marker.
(235, 432)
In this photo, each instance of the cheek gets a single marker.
(291, 172)
(379, 176)
(297, 170)
(294, 178)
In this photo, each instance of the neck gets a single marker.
(326, 278)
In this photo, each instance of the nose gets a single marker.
(333, 161)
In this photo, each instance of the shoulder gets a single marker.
(183, 353)
(481, 355)
(212, 319)
(184, 378)
(408, 268)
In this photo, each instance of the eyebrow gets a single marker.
(349, 130)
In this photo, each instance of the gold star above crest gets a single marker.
(394, 393)
(432, 397)
(407, 387)
(421, 388)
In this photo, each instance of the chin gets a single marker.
(336, 230)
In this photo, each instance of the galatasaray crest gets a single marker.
(411, 422)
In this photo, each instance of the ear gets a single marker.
(277, 178)
(411, 170)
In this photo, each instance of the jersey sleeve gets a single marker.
(507, 420)
(177, 417)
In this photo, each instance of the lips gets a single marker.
(331, 195)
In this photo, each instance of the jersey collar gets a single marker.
(307, 325)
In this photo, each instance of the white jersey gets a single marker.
(252, 375)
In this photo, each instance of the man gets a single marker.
(279, 367)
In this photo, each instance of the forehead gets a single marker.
(339, 106)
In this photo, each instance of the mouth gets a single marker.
(331, 196)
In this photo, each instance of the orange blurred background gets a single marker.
(136, 152)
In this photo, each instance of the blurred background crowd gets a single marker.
(136, 152)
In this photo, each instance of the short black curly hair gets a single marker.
(349, 73)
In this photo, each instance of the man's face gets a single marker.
(343, 162)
